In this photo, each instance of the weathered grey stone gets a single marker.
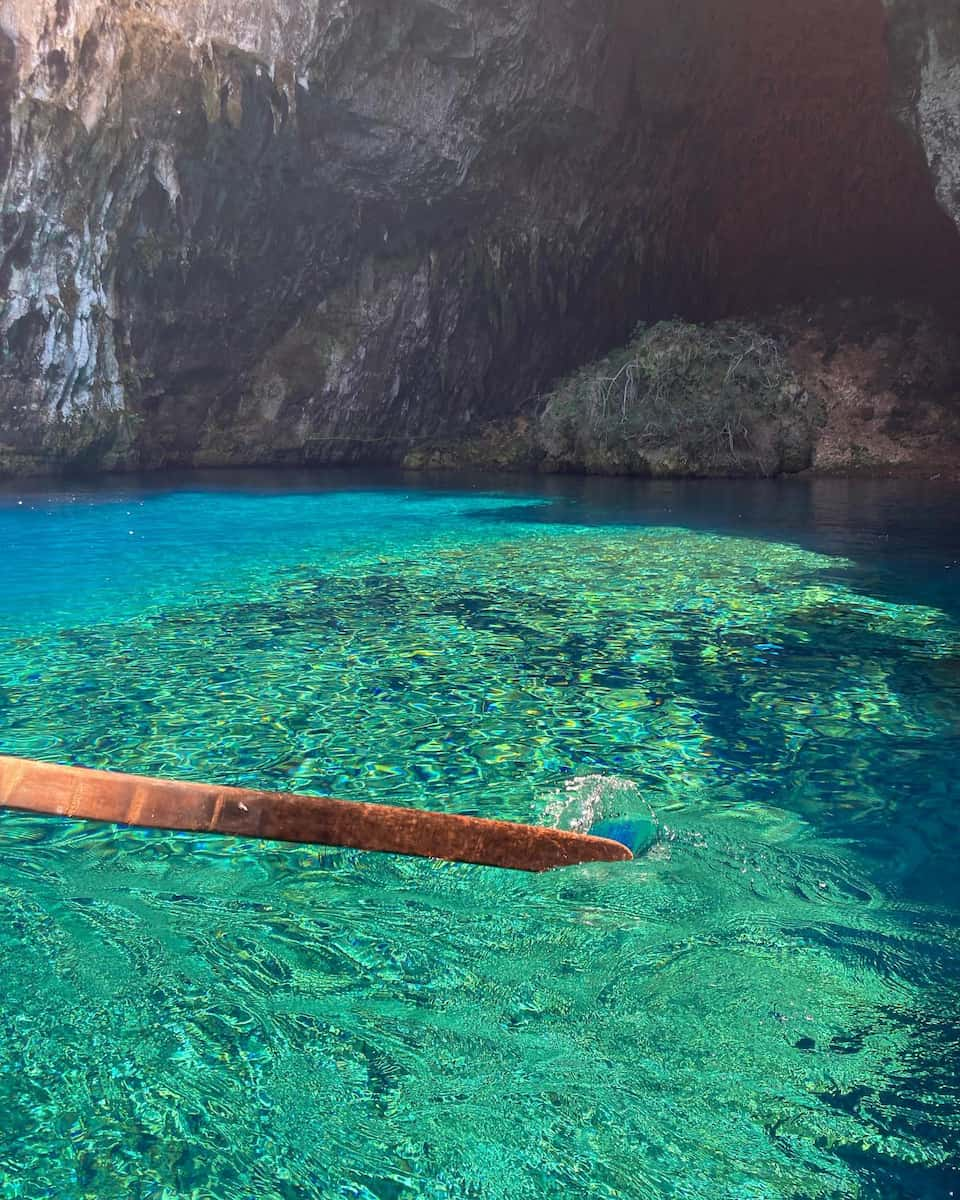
(925, 42)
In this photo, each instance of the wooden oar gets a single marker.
(279, 816)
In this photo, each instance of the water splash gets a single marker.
(606, 807)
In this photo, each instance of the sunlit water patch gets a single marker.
(764, 1005)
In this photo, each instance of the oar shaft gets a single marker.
(76, 792)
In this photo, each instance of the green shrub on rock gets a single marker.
(695, 399)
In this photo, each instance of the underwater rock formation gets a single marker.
(272, 231)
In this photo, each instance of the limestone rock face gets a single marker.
(925, 41)
(240, 231)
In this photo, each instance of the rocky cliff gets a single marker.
(925, 49)
(239, 231)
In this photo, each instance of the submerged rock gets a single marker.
(302, 231)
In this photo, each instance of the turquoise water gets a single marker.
(763, 1006)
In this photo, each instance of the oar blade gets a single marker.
(79, 793)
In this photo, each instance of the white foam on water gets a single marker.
(585, 800)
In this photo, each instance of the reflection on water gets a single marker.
(763, 1005)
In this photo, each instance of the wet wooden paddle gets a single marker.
(278, 816)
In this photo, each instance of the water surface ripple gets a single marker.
(763, 1007)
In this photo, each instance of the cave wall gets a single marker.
(925, 52)
(288, 231)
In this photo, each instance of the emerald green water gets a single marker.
(764, 1006)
